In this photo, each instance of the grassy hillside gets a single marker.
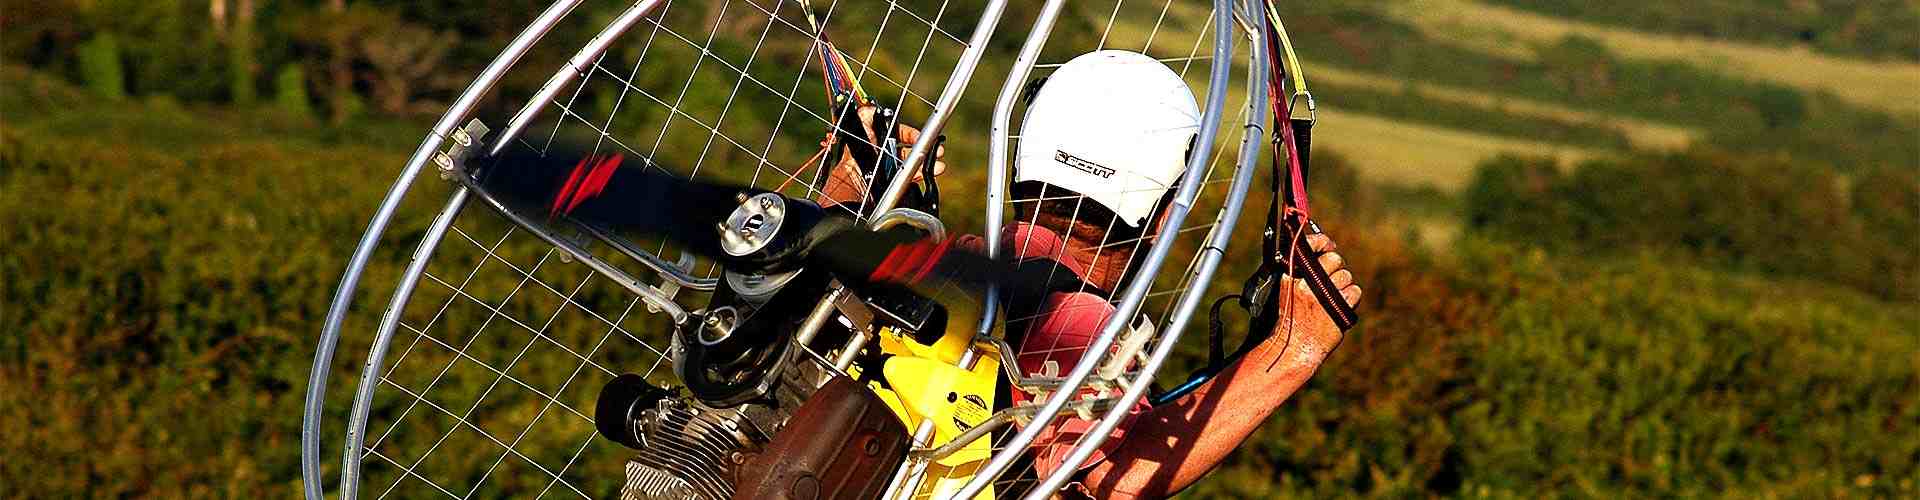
(1884, 84)
(1873, 29)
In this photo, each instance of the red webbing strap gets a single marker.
(1293, 220)
(1283, 123)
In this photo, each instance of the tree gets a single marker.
(1582, 65)
(100, 66)
(340, 68)
(403, 56)
(242, 64)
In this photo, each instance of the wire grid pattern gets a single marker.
(1178, 34)
(505, 343)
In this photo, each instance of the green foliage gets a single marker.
(1580, 65)
(100, 66)
(1849, 141)
(290, 92)
(1664, 377)
(242, 64)
(153, 346)
(1874, 28)
(166, 46)
(1765, 214)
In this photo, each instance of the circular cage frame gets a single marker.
(447, 131)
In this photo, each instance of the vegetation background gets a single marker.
(1621, 249)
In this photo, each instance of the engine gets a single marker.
(685, 450)
(841, 443)
(759, 416)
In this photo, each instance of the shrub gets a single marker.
(290, 92)
(1767, 214)
(100, 66)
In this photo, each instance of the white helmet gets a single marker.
(1112, 125)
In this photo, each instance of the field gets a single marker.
(1883, 84)
(1571, 290)
(1642, 134)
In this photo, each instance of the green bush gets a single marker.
(290, 92)
(1759, 213)
(161, 286)
(100, 66)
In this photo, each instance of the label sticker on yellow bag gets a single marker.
(969, 411)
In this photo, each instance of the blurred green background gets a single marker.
(1610, 249)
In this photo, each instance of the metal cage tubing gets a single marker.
(949, 98)
(462, 107)
(930, 131)
(483, 84)
(652, 295)
(1202, 275)
(370, 378)
(997, 150)
(580, 64)
(1136, 292)
(389, 322)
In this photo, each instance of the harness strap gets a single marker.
(1292, 217)
(1285, 251)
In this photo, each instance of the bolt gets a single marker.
(461, 136)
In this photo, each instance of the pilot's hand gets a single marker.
(844, 183)
(1301, 314)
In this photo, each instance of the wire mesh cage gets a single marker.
(484, 365)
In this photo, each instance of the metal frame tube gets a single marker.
(315, 406)
(667, 270)
(1143, 281)
(370, 375)
(949, 97)
(1202, 275)
(997, 163)
(581, 63)
(649, 293)
(929, 132)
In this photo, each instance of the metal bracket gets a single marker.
(466, 140)
(668, 287)
(580, 239)
(1128, 350)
